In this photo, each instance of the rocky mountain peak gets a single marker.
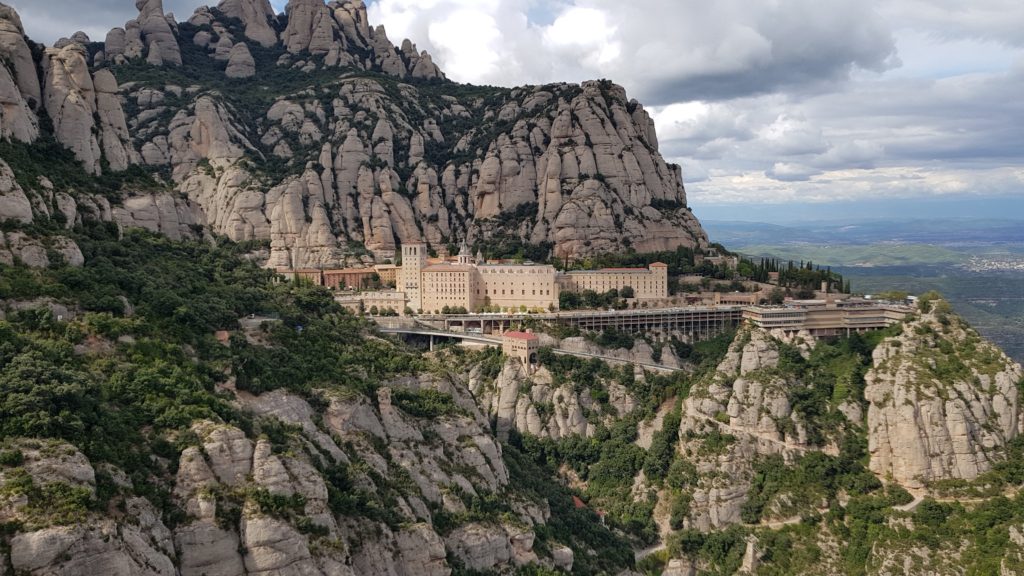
(312, 131)
(943, 401)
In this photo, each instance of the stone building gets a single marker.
(348, 278)
(517, 285)
(388, 274)
(647, 283)
(432, 285)
(448, 286)
(521, 345)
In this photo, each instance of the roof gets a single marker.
(611, 271)
(577, 502)
(520, 335)
(658, 265)
(448, 268)
(349, 271)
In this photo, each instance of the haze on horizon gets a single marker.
(844, 108)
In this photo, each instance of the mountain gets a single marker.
(312, 132)
(170, 407)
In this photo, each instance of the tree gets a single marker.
(373, 311)
(627, 292)
(776, 296)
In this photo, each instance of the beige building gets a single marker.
(388, 274)
(521, 345)
(514, 286)
(472, 284)
(430, 285)
(348, 278)
(365, 301)
(448, 285)
(647, 283)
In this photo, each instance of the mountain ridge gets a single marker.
(311, 131)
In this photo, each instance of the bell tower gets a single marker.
(414, 260)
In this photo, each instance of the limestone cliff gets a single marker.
(312, 131)
(943, 401)
(250, 506)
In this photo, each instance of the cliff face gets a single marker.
(252, 506)
(314, 132)
(943, 402)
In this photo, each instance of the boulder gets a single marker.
(240, 62)
(257, 17)
(14, 204)
(14, 49)
(926, 424)
(156, 33)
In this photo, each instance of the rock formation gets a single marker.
(14, 49)
(19, 85)
(240, 62)
(943, 402)
(256, 15)
(156, 34)
(571, 169)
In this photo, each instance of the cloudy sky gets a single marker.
(838, 107)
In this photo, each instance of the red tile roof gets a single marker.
(520, 335)
(577, 502)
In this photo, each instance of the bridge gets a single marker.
(406, 328)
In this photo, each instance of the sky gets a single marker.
(838, 106)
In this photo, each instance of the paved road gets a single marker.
(496, 341)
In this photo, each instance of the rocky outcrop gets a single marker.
(257, 17)
(18, 57)
(70, 100)
(156, 34)
(34, 252)
(364, 162)
(240, 62)
(86, 110)
(14, 204)
(943, 402)
(311, 27)
(160, 213)
(535, 404)
(739, 412)
(17, 121)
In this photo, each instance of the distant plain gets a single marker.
(978, 264)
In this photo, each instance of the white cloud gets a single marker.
(759, 101)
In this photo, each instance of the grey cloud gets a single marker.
(48, 20)
(786, 172)
(789, 43)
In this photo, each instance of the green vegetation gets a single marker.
(579, 528)
(425, 403)
(123, 385)
(888, 254)
(589, 299)
(49, 159)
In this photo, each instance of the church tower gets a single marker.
(414, 260)
(464, 256)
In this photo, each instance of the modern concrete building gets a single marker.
(827, 317)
